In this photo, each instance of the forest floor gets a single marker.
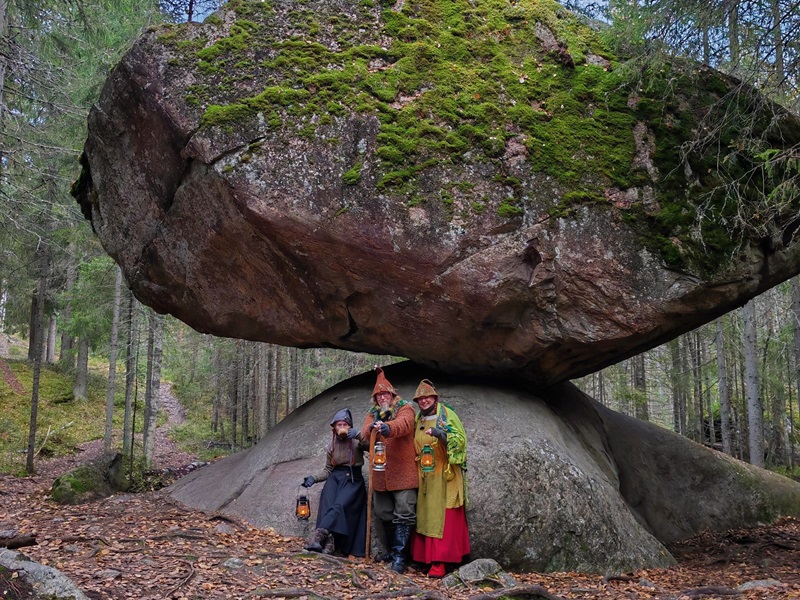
(146, 546)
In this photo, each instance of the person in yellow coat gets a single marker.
(442, 535)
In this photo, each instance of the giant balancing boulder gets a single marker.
(556, 481)
(476, 185)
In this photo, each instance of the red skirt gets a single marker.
(453, 546)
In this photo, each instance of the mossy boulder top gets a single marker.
(481, 186)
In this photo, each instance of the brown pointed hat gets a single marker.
(382, 385)
(425, 388)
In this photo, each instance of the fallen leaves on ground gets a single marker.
(146, 546)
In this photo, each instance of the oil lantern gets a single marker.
(426, 459)
(303, 508)
(379, 457)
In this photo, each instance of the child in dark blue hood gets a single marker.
(342, 515)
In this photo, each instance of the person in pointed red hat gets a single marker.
(394, 497)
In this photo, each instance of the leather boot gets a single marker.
(402, 535)
(388, 556)
(317, 540)
(329, 545)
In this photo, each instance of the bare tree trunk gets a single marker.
(81, 389)
(712, 426)
(796, 328)
(697, 388)
(67, 357)
(675, 384)
(35, 301)
(131, 363)
(641, 408)
(241, 392)
(788, 440)
(724, 394)
(3, 65)
(744, 434)
(216, 368)
(777, 454)
(777, 39)
(272, 404)
(755, 415)
(772, 386)
(706, 46)
(601, 387)
(38, 340)
(50, 350)
(232, 394)
(111, 390)
(278, 383)
(151, 399)
(3, 293)
(263, 389)
(733, 34)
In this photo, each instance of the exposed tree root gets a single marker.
(525, 591)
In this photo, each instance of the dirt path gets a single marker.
(167, 453)
(8, 375)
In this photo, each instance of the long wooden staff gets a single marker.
(372, 435)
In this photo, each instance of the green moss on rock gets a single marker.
(97, 479)
(454, 81)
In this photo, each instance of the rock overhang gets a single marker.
(476, 187)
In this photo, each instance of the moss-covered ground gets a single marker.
(62, 421)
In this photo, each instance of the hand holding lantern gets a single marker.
(379, 457)
(426, 459)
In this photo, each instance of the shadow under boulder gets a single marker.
(557, 482)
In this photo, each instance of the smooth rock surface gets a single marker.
(549, 488)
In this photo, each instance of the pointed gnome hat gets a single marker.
(382, 385)
(343, 415)
(425, 388)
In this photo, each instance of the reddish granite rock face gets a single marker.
(249, 229)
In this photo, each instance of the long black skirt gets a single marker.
(343, 510)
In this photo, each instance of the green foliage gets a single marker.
(193, 434)
(91, 300)
(63, 423)
(791, 473)
(571, 200)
